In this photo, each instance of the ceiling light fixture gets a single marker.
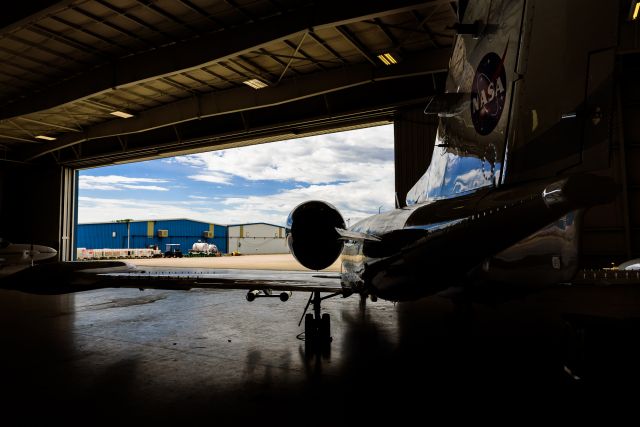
(387, 59)
(121, 114)
(635, 11)
(255, 83)
(45, 137)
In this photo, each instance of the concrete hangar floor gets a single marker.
(120, 355)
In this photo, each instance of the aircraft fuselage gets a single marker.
(526, 235)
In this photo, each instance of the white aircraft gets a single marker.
(12, 254)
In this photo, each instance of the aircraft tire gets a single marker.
(325, 328)
(310, 331)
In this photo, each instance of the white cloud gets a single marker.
(354, 171)
(213, 177)
(96, 209)
(118, 183)
(355, 200)
(343, 156)
(144, 187)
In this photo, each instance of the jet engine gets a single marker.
(312, 236)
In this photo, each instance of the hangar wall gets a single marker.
(31, 203)
(415, 135)
(611, 233)
(142, 234)
(257, 238)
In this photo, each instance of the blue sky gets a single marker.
(352, 170)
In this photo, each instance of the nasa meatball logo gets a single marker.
(488, 94)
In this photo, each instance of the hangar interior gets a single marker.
(182, 71)
(94, 83)
(88, 83)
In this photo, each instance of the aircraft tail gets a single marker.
(563, 97)
(529, 96)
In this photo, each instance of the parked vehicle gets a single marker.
(173, 250)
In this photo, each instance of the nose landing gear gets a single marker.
(317, 328)
(317, 325)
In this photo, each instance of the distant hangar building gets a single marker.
(257, 238)
(142, 234)
(245, 239)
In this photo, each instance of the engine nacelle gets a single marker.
(312, 236)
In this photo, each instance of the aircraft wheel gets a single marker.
(284, 296)
(309, 328)
(325, 328)
(252, 295)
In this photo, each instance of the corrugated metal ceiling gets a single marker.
(67, 68)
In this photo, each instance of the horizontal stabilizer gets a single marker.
(354, 235)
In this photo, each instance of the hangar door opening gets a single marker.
(237, 199)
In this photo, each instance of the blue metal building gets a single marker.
(142, 234)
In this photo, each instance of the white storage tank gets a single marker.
(200, 247)
(257, 238)
(204, 248)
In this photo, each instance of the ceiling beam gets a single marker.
(357, 44)
(195, 8)
(368, 104)
(245, 98)
(70, 41)
(166, 15)
(32, 141)
(206, 50)
(138, 21)
(49, 125)
(23, 14)
(323, 44)
(304, 54)
(97, 19)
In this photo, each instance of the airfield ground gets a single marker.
(285, 262)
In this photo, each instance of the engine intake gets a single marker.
(312, 236)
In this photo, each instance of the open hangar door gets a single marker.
(130, 81)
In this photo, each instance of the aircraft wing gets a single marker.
(163, 278)
(68, 277)
(607, 277)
